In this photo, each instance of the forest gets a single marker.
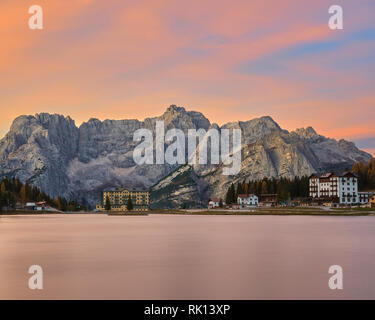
(14, 193)
(366, 174)
(289, 189)
(285, 188)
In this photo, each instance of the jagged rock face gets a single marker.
(38, 150)
(332, 154)
(255, 129)
(105, 153)
(267, 151)
(50, 152)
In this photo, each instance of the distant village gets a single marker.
(329, 189)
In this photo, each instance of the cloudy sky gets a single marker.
(231, 60)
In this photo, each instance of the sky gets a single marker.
(231, 60)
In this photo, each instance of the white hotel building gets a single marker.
(340, 189)
(249, 200)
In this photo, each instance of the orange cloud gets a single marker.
(131, 59)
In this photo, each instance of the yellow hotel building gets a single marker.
(119, 198)
(372, 202)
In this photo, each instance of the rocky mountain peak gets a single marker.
(267, 121)
(254, 129)
(175, 109)
(307, 133)
(49, 151)
(178, 117)
(19, 121)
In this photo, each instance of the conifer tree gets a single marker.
(129, 204)
(107, 205)
(23, 194)
(264, 187)
(228, 199)
(239, 190)
(221, 203)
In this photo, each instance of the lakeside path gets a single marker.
(281, 211)
(288, 211)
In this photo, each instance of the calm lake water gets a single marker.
(187, 257)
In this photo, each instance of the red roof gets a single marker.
(333, 174)
(328, 175)
(244, 196)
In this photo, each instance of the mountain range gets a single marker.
(51, 152)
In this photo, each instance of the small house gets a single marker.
(215, 203)
(372, 202)
(247, 200)
(268, 200)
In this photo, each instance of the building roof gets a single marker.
(314, 175)
(244, 196)
(333, 174)
(126, 189)
(328, 175)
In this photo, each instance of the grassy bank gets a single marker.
(271, 211)
(285, 211)
(22, 212)
(33, 212)
(126, 213)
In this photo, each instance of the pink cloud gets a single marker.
(120, 59)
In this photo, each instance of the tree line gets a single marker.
(366, 174)
(285, 188)
(129, 204)
(291, 188)
(13, 192)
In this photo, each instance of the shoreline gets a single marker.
(288, 211)
(270, 213)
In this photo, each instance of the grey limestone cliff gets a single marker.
(51, 152)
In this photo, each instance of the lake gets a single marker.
(187, 257)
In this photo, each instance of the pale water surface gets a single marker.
(187, 257)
